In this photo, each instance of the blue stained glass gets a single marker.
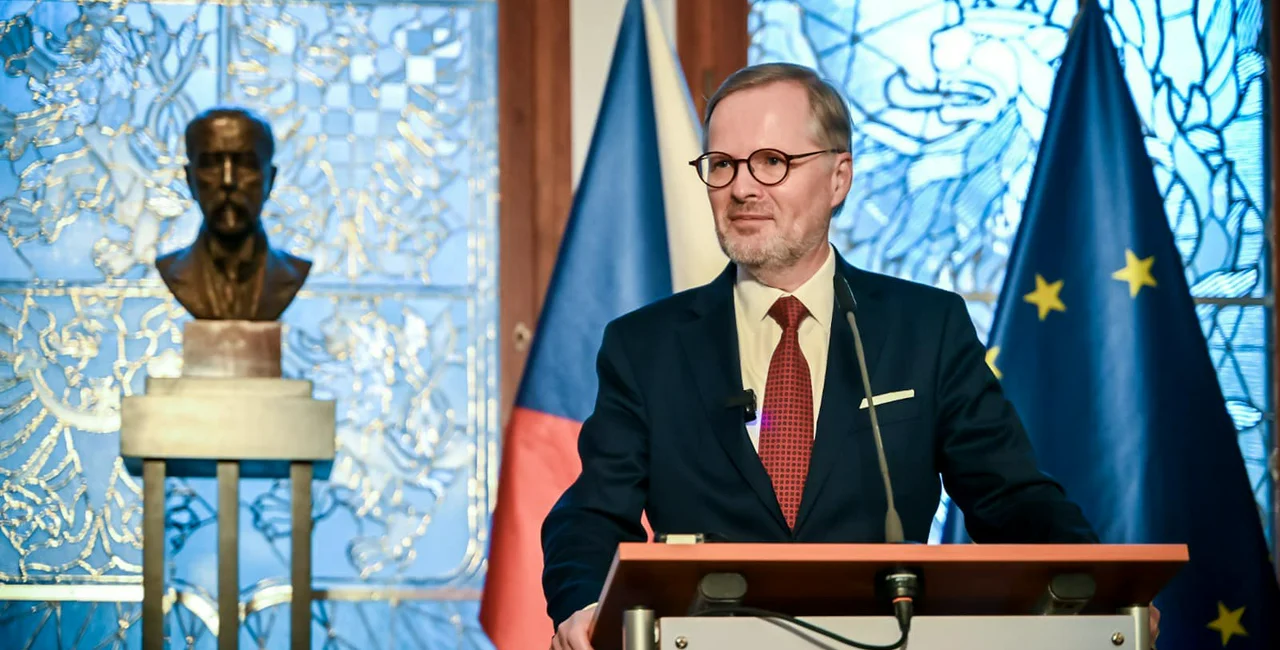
(386, 142)
(949, 100)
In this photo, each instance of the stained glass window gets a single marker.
(949, 99)
(385, 119)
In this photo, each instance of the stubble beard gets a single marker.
(777, 251)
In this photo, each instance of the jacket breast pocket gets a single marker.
(896, 412)
(908, 443)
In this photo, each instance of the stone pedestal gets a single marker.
(229, 415)
(231, 348)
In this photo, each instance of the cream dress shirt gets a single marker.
(758, 333)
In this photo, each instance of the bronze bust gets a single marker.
(230, 272)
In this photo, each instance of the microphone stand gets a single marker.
(900, 585)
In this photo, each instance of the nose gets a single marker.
(228, 179)
(744, 187)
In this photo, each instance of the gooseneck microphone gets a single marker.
(723, 594)
(844, 299)
(900, 585)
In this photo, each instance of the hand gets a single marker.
(575, 632)
(1153, 620)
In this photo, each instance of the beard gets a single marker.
(775, 249)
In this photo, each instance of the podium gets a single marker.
(994, 597)
(231, 416)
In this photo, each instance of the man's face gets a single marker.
(772, 226)
(230, 175)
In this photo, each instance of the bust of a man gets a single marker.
(229, 272)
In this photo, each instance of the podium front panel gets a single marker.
(927, 633)
(973, 580)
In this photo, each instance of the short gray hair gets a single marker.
(831, 122)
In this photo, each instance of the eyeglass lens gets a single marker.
(768, 166)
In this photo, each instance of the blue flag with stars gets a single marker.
(1097, 344)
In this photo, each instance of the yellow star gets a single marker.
(991, 361)
(1228, 623)
(1137, 272)
(1045, 297)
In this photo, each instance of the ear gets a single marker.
(841, 178)
(191, 181)
(270, 181)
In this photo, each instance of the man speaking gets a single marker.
(737, 409)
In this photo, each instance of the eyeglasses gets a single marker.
(769, 166)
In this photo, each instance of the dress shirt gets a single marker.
(758, 333)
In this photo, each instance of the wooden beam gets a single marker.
(534, 167)
(712, 41)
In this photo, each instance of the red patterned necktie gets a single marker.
(786, 427)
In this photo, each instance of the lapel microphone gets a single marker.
(746, 400)
(899, 585)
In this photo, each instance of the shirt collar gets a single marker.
(817, 293)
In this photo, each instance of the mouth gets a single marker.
(747, 225)
(229, 215)
(954, 93)
(231, 207)
(960, 92)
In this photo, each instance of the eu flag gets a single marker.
(1097, 344)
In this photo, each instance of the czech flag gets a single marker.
(640, 228)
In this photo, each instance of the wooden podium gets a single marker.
(970, 595)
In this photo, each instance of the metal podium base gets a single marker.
(1118, 632)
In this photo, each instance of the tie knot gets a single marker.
(788, 311)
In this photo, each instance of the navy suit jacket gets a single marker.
(661, 439)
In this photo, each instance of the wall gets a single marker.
(595, 27)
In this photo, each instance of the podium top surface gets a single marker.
(840, 579)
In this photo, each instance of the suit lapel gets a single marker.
(187, 274)
(279, 277)
(275, 272)
(842, 391)
(710, 343)
(270, 268)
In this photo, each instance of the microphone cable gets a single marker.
(736, 610)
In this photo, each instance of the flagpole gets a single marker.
(1273, 464)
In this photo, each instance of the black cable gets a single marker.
(727, 610)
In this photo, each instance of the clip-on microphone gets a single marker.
(745, 400)
(900, 584)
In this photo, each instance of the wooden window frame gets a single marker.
(1273, 249)
(535, 145)
(712, 41)
(535, 170)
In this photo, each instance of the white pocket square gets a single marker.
(890, 397)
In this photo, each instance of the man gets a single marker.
(666, 437)
(230, 272)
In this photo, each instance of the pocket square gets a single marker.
(890, 397)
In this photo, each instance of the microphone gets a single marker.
(899, 585)
(718, 591)
(844, 299)
(745, 400)
(1066, 593)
